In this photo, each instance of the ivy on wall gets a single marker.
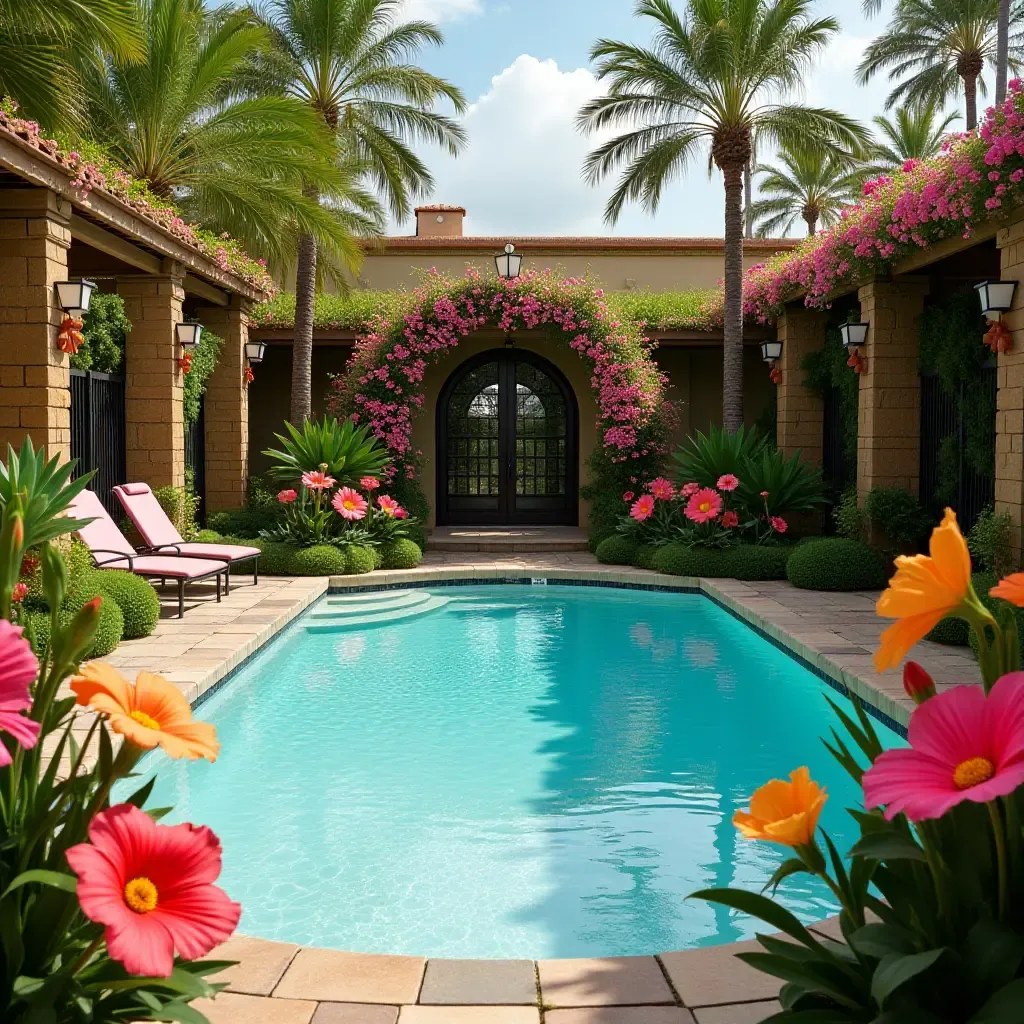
(204, 361)
(827, 368)
(104, 330)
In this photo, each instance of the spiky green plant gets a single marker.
(915, 133)
(348, 451)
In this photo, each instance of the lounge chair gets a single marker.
(103, 538)
(161, 537)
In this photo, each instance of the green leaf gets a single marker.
(888, 846)
(881, 940)
(813, 1017)
(1004, 1007)
(793, 866)
(55, 879)
(141, 795)
(895, 971)
(813, 975)
(25, 986)
(760, 907)
(993, 954)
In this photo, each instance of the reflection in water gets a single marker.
(550, 778)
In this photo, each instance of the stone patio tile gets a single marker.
(738, 1013)
(354, 1013)
(712, 975)
(469, 1015)
(332, 976)
(620, 1015)
(229, 1008)
(260, 964)
(469, 982)
(607, 981)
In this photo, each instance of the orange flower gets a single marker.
(925, 589)
(784, 812)
(148, 712)
(1010, 589)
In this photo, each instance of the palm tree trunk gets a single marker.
(1002, 50)
(812, 224)
(732, 346)
(748, 199)
(302, 346)
(971, 92)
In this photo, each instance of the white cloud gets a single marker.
(440, 10)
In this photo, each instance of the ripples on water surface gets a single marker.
(551, 778)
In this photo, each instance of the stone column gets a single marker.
(800, 411)
(1009, 484)
(889, 424)
(227, 407)
(153, 379)
(35, 395)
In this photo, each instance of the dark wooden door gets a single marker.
(507, 443)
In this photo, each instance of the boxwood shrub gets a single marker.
(359, 560)
(137, 600)
(616, 550)
(643, 556)
(742, 562)
(400, 554)
(319, 560)
(108, 632)
(836, 563)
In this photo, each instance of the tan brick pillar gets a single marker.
(889, 422)
(35, 396)
(800, 411)
(153, 380)
(1009, 484)
(227, 408)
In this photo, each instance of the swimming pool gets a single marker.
(523, 771)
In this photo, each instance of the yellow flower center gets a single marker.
(141, 896)
(973, 772)
(349, 504)
(705, 506)
(144, 720)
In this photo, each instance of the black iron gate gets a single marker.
(195, 459)
(835, 466)
(98, 432)
(943, 443)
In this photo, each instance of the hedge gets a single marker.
(742, 562)
(616, 550)
(400, 554)
(359, 560)
(281, 559)
(836, 563)
(320, 560)
(108, 632)
(137, 600)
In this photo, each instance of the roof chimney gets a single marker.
(439, 221)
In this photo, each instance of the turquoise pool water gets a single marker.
(549, 778)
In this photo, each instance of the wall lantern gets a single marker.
(996, 298)
(255, 350)
(509, 263)
(189, 333)
(854, 334)
(74, 297)
(771, 351)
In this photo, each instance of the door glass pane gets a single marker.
(541, 429)
(473, 434)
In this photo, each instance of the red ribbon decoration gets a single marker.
(69, 338)
(249, 375)
(776, 374)
(185, 362)
(999, 337)
(859, 365)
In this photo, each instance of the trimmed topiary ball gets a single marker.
(108, 632)
(319, 560)
(616, 550)
(359, 560)
(743, 562)
(836, 563)
(401, 554)
(378, 556)
(137, 600)
(110, 629)
(277, 559)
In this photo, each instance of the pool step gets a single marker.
(373, 615)
(471, 607)
(373, 597)
(351, 604)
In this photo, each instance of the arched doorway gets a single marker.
(507, 443)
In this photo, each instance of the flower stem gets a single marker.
(84, 959)
(997, 832)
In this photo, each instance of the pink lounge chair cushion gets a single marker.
(227, 552)
(160, 565)
(146, 513)
(102, 533)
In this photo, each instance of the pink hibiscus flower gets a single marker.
(730, 519)
(643, 507)
(704, 505)
(728, 482)
(369, 483)
(690, 489)
(779, 525)
(349, 504)
(18, 669)
(151, 885)
(317, 480)
(662, 489)
(286, 497)
(387, 504)
(963, 746)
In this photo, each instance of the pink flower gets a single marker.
(286, 497)
(369, 483)
(963, 746)
(779, 525)
(704, 505)
(662, 489)
(628, 496)
(317, 480)
(20, 591)
(349, 504)
(401, 513)
(764, 494)
(642, 508)
(727, 482)
(18, 669)
(730, 519)
(688, 490)
(151, 885)
(387, 504)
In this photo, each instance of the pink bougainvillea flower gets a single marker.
(963, 746)
(388, 505)
(369, 483)
(18, 670)
(317, 480)
(704, 505)
(152, 886)
(688, 490)
(662, 489)
(730, 519)
(286, 497)
(643, 507)
(728, 482)
(779, 525)
(349, 504)
(628, 497)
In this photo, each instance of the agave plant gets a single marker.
(786, 485)
(349, 452)
(705, 458)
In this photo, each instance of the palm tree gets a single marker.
(1002, 49)
(350, 61)
(709, 80)
(234, 163)
(39, 41)
(916, 134)
(809, 184)
(936, 49)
